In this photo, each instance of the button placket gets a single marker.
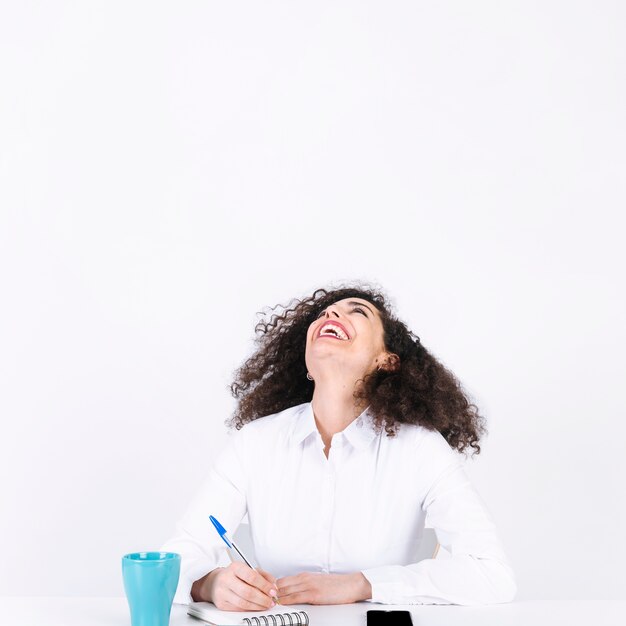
(335, 457)
(325, 509)
(328, 517)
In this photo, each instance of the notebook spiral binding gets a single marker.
(297, 618)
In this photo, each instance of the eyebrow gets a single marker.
(353, 302)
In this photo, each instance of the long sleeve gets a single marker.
(274, 468)
(222, 494)
(477, 572)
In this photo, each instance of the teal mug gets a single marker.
(150, 581)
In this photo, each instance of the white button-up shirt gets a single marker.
(361, 509)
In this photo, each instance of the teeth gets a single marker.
(334, 330)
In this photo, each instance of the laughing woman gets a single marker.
(346, 437)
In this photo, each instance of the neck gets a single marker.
(334, 407)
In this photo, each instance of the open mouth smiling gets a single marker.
(334, 330)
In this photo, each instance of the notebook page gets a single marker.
(208, 612)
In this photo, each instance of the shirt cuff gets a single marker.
(388, 588)
(464, 580)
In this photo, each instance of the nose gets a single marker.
(331, 309)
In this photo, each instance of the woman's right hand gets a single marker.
(241, 588)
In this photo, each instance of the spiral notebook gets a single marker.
(207, 612)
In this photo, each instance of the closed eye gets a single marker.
(356, 308)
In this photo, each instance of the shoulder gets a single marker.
(416, 435)
(271, 427)
(429, 446)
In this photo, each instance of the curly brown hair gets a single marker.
(421, 391)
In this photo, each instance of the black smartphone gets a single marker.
(389, 618)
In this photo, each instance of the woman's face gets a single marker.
(346, 340)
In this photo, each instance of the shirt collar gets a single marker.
(359, 433)
(304, 424)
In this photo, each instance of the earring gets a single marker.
(309, 376)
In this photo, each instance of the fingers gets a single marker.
(238, 604)
(302, 597)
(239, 588)
(295, 589)
(315, 588)
(256, 578)
(248, 596)
(298, 594)
(273, 587)
(288, 582)
(229, 599)
(267, 576)
(285, 590)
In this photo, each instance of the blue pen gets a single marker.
(221, 531)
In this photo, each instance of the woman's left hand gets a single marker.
(314, 588)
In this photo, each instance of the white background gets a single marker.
(169, 169)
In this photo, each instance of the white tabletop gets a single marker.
(114, 612)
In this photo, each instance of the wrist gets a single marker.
(362, 587)
(209, 583)
(202, 589)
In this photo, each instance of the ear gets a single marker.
(391, 362)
